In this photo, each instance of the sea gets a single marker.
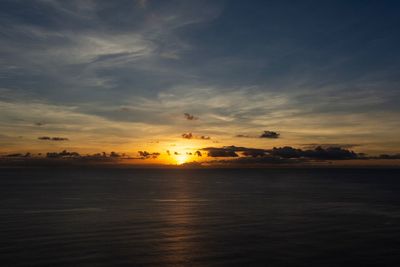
(98, 216)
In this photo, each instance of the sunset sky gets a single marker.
(176, 79)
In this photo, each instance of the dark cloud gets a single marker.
(63, 154)
(313, 146)
(103, 156)
(221, 153)
(48, 138)
(280, 155)
(18, 155)
(319, 153)
(270, 134)
(190, 117)
(14, 155)
(226, 151)
(265, 134)
(286, 152)
(330, 153)
(231, 150)
(66, 157)
(59, 139)
(257, 161)
(386, 156)
(114, 155)
(253, 152)
(192, 136)
(148, 155)
(187, 135)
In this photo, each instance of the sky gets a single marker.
(176, 79)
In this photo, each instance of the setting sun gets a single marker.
(180, 159)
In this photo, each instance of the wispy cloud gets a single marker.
(48, 138)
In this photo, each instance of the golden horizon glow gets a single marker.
(180, 152)
(181, 159)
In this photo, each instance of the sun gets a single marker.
(180, 159)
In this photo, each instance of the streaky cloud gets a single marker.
(48, 138)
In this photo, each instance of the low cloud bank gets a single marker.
(313, 146)
(332, 153)
(287, 152)
(148, 155)
(226, 155)
(70, 155)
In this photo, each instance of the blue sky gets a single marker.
(121, 74)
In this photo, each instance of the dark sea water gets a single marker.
(144, 217)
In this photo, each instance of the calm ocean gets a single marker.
(222, 217)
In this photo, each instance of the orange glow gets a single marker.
(179, 152)
(180, 159)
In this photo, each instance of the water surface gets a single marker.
(144, 217)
